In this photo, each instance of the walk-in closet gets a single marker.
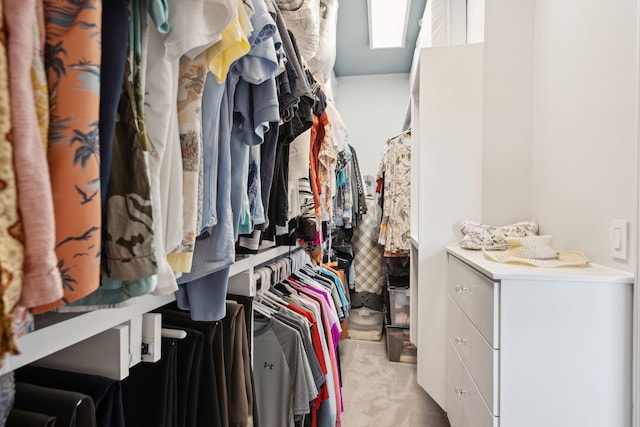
(319, 213)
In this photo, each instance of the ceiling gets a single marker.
(353, 56)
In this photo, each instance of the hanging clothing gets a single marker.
(69, 408)
(164, 160)
(332, 336)
(234, 43)
(280, 365)
(295, 85)
(39, 74)
(150, 392)
(73, 68)
(344, 195)
(335, 136)
(106, 393)
(21, 418)
(323, 61)
(129, 239)
(395, 169)
(211, 104)
(193, 28)
(211, 407)
(256, 107)
(129, 252)
(358, 189)
(303, 20)
(252, 86)
(115, 34)
(192, 75)
(237, 364)
(311, 300)
(12, 249)
(203, 290)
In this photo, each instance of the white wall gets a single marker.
(373, 109)
(507, 111)
(585, 123)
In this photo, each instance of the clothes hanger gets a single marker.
(275, 272)
(262, 279)
(271, 299)
(262, 299)
(310, 270)
(278, 291)
(285, 268)
(264, 294)
(284, 288)
(266, 302)
(258, 307)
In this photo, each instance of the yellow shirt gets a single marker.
(233, 45)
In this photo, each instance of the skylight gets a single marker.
(387, 23)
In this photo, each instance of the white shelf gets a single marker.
(72, 328)
(57, 331)
(251, 261)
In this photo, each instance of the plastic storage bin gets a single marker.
(399, 347)
(399, 307)
(365, 324)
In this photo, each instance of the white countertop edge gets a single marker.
(505, 271)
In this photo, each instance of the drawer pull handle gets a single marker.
(459, 391)
(460, 340)
(462, 289)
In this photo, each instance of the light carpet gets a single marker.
(381, 393)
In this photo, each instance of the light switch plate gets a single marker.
(619, 239)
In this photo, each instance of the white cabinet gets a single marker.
(530, 347)
(445, 189)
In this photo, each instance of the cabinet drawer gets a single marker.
(454, 407)
(480, 359)
(464, 397)
(477, 296)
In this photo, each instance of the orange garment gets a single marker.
(73, 69)
(340, 273)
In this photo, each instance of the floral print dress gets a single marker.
(396, 170)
